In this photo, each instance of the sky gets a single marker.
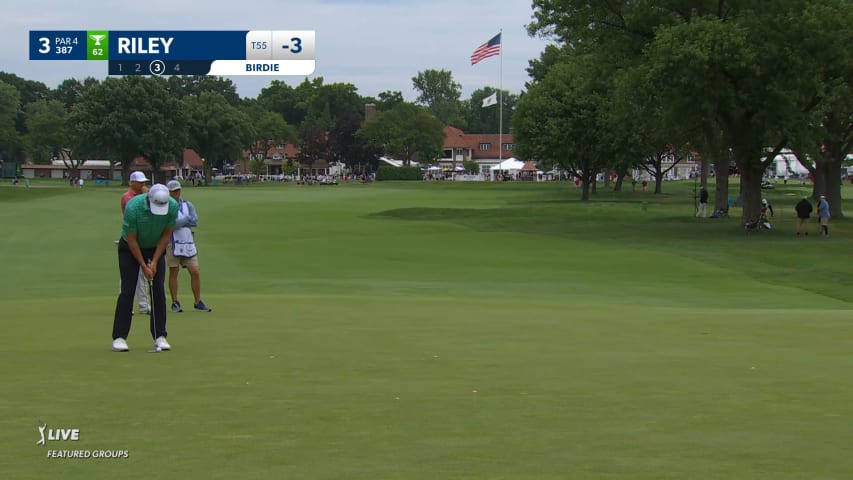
(376, 45)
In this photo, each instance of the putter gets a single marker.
(151, 308)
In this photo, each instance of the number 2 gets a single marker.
(45, 45)
(138, 68)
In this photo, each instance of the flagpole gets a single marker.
(501, 103)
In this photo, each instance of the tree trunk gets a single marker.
(750, 181)
(620, 177)
(818, 181)
(585, 188)
(830, 174)
(721, 181)
(705, 167)
(658, 176)
(125, 172)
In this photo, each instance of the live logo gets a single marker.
(72, 434)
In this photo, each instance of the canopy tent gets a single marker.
(510, 164)
(530, 172)
(529, 167)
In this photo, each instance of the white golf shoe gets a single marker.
(119, 345)
(162, 343)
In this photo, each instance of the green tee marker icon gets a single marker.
(97, 46)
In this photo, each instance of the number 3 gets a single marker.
(45, 45)
(297, 45)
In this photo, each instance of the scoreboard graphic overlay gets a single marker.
(185, 52)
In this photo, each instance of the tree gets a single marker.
(269, 130)
(440, 94)
(471, 166)
(348, 148)
(404, 132)
(69, 91)
(828, 138)
(388, 100)
(29, 91)
(257, 166)
(216, 130)
(562, 120)
(10, 104)
(480, 119)
(282, 99)
(735, 65)
(49, 134)
(314, 137)
(194, 85)
(122, 118)
(340, 100)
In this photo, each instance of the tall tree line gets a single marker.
(737, 81)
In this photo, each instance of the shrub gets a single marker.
(398, 173)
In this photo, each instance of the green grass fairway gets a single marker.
(434, 331)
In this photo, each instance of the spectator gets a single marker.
(804, 211)
(823, 215)
(702, 212)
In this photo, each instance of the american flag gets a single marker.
(486, 50)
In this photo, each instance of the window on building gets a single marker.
(277, 156)
(279, 146)
(507, 146)
(485, 146)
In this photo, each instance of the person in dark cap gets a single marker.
(804, 211)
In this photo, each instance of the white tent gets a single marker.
(786, 164)
(510, 164)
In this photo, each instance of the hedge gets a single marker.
(398, 173)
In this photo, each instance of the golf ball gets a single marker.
(157, 349)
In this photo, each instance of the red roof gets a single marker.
(192, 159)
(455, 138)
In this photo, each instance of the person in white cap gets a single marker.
(137, 185)
(149, 219)
(182, 251)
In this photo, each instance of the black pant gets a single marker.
(129, 269)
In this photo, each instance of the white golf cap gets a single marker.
(158, 198)
(138, 177)
(173, 185)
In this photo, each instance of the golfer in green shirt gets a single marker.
(145, 232)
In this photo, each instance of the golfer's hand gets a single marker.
(153, 268)
(148, 271)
